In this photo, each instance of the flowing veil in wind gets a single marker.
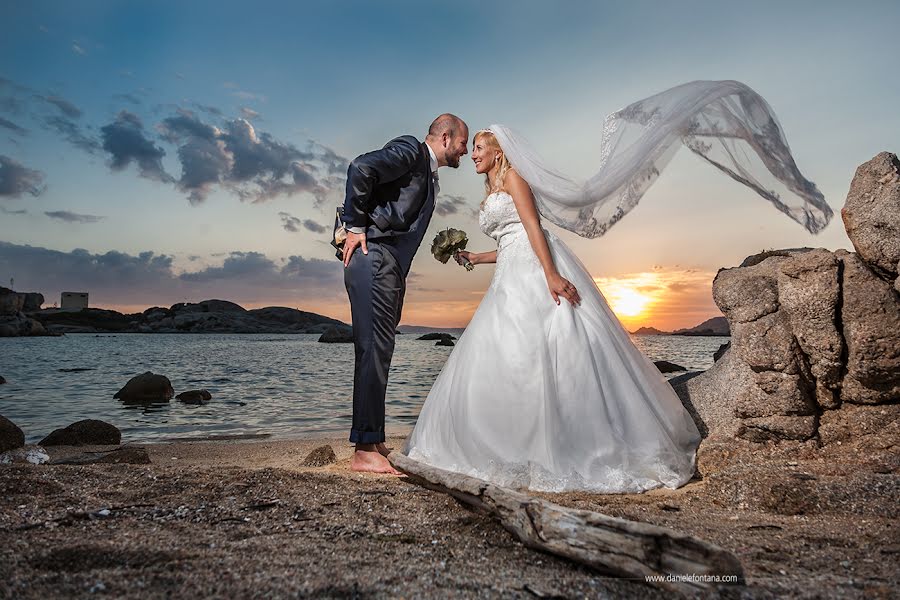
(724, 122)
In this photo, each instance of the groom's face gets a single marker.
(456, 146)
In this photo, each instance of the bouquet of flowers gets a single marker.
(447, 243)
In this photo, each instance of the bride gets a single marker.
(545, 389)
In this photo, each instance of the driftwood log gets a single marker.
(656, 555)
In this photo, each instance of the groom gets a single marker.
(390, 198)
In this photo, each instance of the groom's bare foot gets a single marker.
(382, 449)
(368, 459)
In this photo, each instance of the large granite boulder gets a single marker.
(145, 388)
(88, 432)
(815, 337)
(871, 214)
(11, 436)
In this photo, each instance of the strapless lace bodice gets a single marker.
(499, 217)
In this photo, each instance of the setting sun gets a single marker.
(630, 297)
(628, 302)
(664, 299)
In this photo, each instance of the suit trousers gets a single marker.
(376, 287)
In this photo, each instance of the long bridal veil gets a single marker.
(724, 122)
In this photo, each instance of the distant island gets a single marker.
(713, 326)
(21, 314)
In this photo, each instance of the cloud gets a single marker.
(72, 133)
(125, 141)
(293, 224)
(255, 269)
(251, 164)
(13, 127)
(149, 277)
(37, 268)
(249, 113)
(7, 211)
(17, 179)
(314, 227)
(212, 151)
(216, 112)
(11, 102)
(66, 107)
(244, 95)
(450, 205)
(77, 49)
(70, 217)
(289, 222)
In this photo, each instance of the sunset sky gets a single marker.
(161, 152)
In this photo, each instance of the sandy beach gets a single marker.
(240, 519)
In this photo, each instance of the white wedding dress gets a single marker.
(550, 397)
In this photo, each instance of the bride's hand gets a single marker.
(463, 255)
(560, 286)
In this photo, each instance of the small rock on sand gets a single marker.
(86, 432)
(319, 457)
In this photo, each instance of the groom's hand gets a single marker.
(354, 240)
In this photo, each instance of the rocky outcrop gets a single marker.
(11, 436)
(871, 214)
(88, 432)
(815, 333)
(32, 301)
(146, 388)
(208, 316)
(337, 335)
(13, 320)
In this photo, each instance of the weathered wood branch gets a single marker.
(608, 544)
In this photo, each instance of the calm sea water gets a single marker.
(281, 386)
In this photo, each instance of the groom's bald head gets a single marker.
(447, 123)
(448, 137)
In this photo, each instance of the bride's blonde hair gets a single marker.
(491, 142)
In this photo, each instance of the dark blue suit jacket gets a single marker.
(388, 188)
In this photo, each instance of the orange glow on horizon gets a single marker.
(666, 300)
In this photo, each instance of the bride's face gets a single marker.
(484, 156)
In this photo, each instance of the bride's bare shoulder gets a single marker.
(514, 185)
(511, 176)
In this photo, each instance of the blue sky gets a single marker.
(321, 82)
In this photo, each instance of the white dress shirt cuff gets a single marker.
(356, 229)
